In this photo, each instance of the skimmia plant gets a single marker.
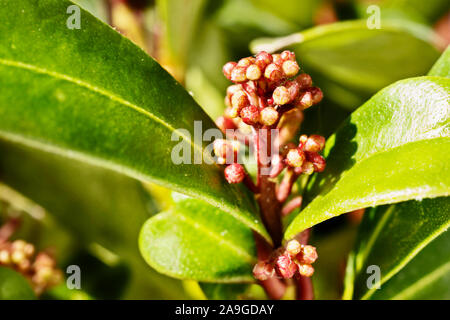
(110, 163)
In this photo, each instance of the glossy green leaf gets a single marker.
(351, 62)
(91, 94)
(395, 236)
(198, 242)
(94, 205)
(442, 67)
(391, 149)
(13, 286)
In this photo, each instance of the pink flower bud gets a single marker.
(317, 95)
(315, 143)
(234, 173)
(277, 59)
(263, 59)
(222, 148)
(317, 160)
(239, 100)
(306, 270)
(304, 80)
(263, 271)
(308, 255)
(288, 55)
(253, 72)
(238, 74)
(295, 157)
(307, 168)
(245, 62)
(269, 116)
(225, 123)
(273, 72)
(281, 95)
(250, 115)
(228, 69)
(290, 68)
(285, 267)
(293, 248)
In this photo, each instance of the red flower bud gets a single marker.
(290, 68)
(304, 80)
(273, 72)
(269, 116)
(250, 115)
(234, 173)
(239, 100)
(317, 95)
(293, 248)
(228, 69)
(263, 271)
(285, 267)
(308, 255)
(245, 62)
(253, 72)
(281, 95)
(225, 123)
(239, 74)
(317, 160)
(315, 143)
(288, 55)
(306, 270)
(277, 59)
(263, 59)
(295, 157)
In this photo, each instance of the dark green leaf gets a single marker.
(92, 95)
(13, 286)
(94, 205)
(351, 62)
(196, 241)
(392, 149)
(442, 67)
(391, 238)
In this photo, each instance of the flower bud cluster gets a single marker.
(39, 269)
(305, 157)
(265, 85)
(294, 259)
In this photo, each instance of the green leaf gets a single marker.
(223, 291)
(198, 242)
(442, 67)
(393, 237)
(91, 94)
(351, 62)
(13, 286)
(94, 205)
(391, 149)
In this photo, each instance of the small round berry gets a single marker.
(288, 55)
(228, 69)
(295, 158)
(239, 100)
(238, 74)
(263, 59)
(253, 72)
(293, 247)
(281, 95)
(269, 116)
(273, 72)
(306, 270)
(308, 255)
(285, 267)
(250, 115)
(315, 143)
(234, 173)
(290, 68)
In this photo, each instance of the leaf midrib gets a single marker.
(105, 93)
